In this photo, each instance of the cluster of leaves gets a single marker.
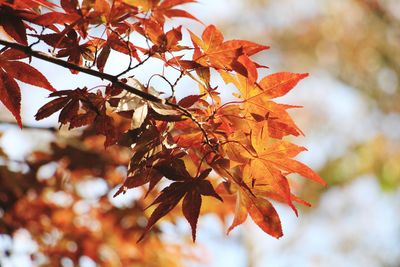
(46, 196)
(370, 75)
(200, 145)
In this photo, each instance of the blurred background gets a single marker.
(351, 120)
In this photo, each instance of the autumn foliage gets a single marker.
(199, 149)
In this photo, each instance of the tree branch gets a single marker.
(29, 127)
(104, 76)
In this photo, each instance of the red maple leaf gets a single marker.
(10, 70)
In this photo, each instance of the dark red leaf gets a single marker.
(172, 191)
(102, 58)
(10, 95)
(204, 174)
(70, 6)
(27, 74)
(189, 101)
(51, 107)
(14, 27)
(191, 210)
(69, 111)
(82, 119)
(174, 170)
(13, 54)
(138, 179)
(168, 203)
(105, 125)
(206, 189)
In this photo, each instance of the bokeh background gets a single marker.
(351, 118)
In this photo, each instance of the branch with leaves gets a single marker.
(205, 147)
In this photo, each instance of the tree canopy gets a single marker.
(200, 152)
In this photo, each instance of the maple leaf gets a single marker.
(10, 70)
(12, 24)
(259, 208)
(257, 104)
(186, 187)
(69, 102)
(225, 55)
(266, 163)
(162, 42)
(79, 108)
(279, 84)
(264, 215)
(10, 95)
(69, 46)
(103, 57)
(147, 170)
(279, 154)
